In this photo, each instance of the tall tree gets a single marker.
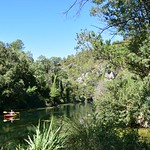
(130, 18)
(16, 75)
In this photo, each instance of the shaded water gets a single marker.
(17, 130)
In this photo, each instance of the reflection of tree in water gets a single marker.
(67, 112)
(70, 110)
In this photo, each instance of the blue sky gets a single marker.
(42, 27)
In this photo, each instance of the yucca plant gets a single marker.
(46, 138)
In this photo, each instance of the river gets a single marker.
(17, 130)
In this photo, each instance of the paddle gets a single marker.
(5, 112)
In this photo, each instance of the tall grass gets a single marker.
(90, 133)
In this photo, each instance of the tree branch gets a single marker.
(81, 5)
(67, 11)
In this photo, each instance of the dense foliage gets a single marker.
(115, 75)
(18, 84)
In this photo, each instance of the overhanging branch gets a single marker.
(81, 5)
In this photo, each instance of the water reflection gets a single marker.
(11, 119)
(18, 128)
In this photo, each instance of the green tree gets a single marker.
(124, 100)
(139, 57)
(131, 19)
(54, 92)
(17, 75)
(42, 72)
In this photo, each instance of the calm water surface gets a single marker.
(18, 130)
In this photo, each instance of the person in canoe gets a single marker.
(10, 116)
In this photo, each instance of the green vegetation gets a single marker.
(144, 134)
(113, 75)
(85, 133)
